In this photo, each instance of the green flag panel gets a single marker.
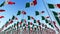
(36, 13)
(51, 6)
(27, 4)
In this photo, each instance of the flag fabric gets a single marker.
(27, 5)
(34, 21)
(52, 6)
(36, 13)
(14, 26)
(55, 14)
(1, 10)
(39, 22)
(13, 17)
(28, 17)
(1, 17)
(23, 12)
(6, 24)
(51, 25)
(32, 17)
(46, 21)
(57, 5)
(10, 2)
(19, 12)
(34, 2)
(2, 4)
(43, 18)
(11, 21)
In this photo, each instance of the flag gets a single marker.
(45, 26)
(1, 17)
(55, 14)
(2, 4)
(51, 25)
(1, 10)
(13, 17)
(16, 18)
(34, 2)
(39, 22)
(34, 21)
(14, 25)
(23, 12)
(11, 21)
(32, 17)
(58, 5)
(46, 21)
(27, 4)
(6, 24)
(42, 11)
(43, 18)
(28, 23)
(19, 12)
(51, 6)
(36, 13)
(58, 20)
(10, 2)
(29, 18)
(47, 16)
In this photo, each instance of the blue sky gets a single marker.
(20, 5)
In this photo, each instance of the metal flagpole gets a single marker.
(49, 12)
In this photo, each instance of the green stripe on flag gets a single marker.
(43, 18)
(27, 4)
(19, 12)
(36, 13)
(51, 6)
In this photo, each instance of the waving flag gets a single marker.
(10, 2)
(1, 10)
(56, 17)
(37, 13)
(23, 12)
(1, 17)
(34, 2)
(2, 4)
(52, 6)
(19, 12)
(28, 4)
(43, 18)
(28, 17)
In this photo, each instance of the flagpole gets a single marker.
(48, 11)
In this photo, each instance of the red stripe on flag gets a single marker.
(1, 10)
(35, 2)
(1, 17)
(58, 5)
(11, 2)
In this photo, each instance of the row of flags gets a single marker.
(55, 14)
(30, 24)
(10, 21)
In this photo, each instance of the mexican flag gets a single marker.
(52, 6)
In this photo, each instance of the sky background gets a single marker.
(20, 5)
